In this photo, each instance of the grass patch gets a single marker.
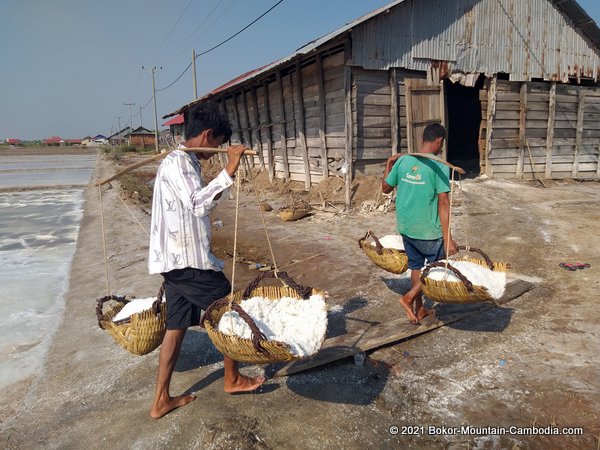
(138, 186)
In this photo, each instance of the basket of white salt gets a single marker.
(464, 280)
(137, 325)
(266, 324)
(387, 253)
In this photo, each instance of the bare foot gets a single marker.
(423, 312)
(243, 384)
(165, 405)
(409, 311)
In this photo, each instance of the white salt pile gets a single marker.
(495, 282)
(391, 241)
(133, 307)
(299, 323)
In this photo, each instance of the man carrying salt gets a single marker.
(422, 212)
(180, 247)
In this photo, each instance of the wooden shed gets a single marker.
(514, 81)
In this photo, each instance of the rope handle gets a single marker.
(303, 291)
(378, 246)
(101, 301)
(487, 259)
(451, 268)
(257, 335)
(100, 304)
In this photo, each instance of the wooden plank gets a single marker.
(322, 115)
(238, 125)
(283, 135)
(339, 347)
(578, 137)
(349, 132)
(268, 134)
(394, 109)
(247, 129)
(258, 133)
(409, 115)
(301, 133)
(550, 130)
(522, 130)
(598, 164)
(491, 111)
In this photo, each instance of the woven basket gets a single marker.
(294, 212)
(257, 350)
(459, 291)
(139, 334)
(390, 259)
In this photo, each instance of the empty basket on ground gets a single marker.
(294, 212)
(390, 259)
(257, 350)
(463, 291)
(141, 332)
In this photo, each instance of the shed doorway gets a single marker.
(463, 122)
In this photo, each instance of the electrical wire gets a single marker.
(222, 43)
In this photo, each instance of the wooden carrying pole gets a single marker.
(163, 155)
(435, 158)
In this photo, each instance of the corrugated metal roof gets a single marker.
(174, 121)
(476, 35)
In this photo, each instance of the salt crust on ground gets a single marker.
(495, 282)
(134, 307)
(299, 323)
(391, 241)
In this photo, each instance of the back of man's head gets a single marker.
(433, 131)
(206, 116)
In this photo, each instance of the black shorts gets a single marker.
(189, 291)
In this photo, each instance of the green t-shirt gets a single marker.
(419, 182)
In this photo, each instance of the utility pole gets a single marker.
(130, 123)
(141, 124)
(152, 70)
(194, 74)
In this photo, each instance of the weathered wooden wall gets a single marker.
(547, 128)
(294, 119)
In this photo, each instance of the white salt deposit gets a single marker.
(495, 282)
(134, 307)
(391, 241)
(299, 323)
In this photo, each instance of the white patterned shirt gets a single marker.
(180, 226)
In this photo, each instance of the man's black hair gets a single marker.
(433, 131)
(206, 116)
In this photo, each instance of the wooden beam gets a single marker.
(579, 132)
(283, 135)
(258, 133)
(300, 124)
(386, 333)
(322, 116)
(349, 130)
(394, 113)
(491, 112)
(408, 85)
(269, 135)
(236, 116)
(522, 130)
(247, 129)
(550, 130)
(443, 116)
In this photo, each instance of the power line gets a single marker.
(172, 29)
(221, 43)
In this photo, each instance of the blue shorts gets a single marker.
(419, 250)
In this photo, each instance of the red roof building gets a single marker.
(13, 141)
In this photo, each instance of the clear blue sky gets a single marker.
(67, 66)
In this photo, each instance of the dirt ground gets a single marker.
(532, 362)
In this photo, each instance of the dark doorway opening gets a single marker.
(464, 120)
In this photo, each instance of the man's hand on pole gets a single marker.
(234, 156)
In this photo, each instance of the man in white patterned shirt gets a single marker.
(180, 247)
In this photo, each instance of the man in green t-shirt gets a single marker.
(422, 212)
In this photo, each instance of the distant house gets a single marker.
(119, 137)
(100, 139)
(141, 137)
(53, 141)
(176, 126)
(13, 142)
(71, 142)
